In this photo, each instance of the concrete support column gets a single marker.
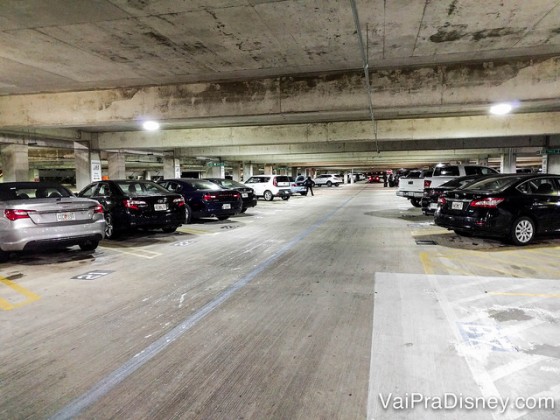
(294, 172)
(215, 172)
(86, 165)
(15, 162)
(117, 165)
(236, 171)
(247, 171)
(171, 167)
(482, 161)
(268, 169)
(508, 164)
(552, 164)
(352, 180)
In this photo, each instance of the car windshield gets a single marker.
(141, 188)
(492, 184)
(458, 182)
(26, 191)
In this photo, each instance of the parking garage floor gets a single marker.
(346, 305)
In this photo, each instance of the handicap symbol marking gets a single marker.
(182, 243)
(488, 336)
(92, 275)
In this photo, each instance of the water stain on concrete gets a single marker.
(545, 350)
(512, 314)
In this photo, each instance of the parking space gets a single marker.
(306, 308)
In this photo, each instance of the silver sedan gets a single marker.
(40, 215)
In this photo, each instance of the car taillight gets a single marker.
(427, 183)
(442, 200)
(179, 201)
(208, 197)
(488, 202)
(274, 182)
(98, 209)
(134, 204)
(15, 214)
(236, 195)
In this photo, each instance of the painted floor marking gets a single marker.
(6, 305)
(106, 384)
(540, 295)
(136, 252)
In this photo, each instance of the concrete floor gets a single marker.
(317, 308)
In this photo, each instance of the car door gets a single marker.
(541, 197)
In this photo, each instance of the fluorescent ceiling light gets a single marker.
(501, 109)
(151, 125)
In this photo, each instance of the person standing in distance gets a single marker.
(309, 184)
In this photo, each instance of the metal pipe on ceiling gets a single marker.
(365, 63)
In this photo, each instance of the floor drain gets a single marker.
(424, 242)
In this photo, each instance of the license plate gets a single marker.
(244, 195)
(457, 205)
(226, 206)
(65, 217)
(433, 206)
(160, 207)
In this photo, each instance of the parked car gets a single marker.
(247, 194)
(516, 207)
(297, 185)
(270, 186)
(40, 215)
(444, 172)
(204, 198)
(329, 180)
(411, 185)
(431, 195)
(131, 204)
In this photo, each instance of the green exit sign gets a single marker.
(215, 164)
(552, 151)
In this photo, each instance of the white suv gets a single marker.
(270, 186)
(329, 180)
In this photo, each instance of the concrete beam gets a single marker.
(465, 88)
(402, 129)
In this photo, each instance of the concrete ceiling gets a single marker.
(102, 66)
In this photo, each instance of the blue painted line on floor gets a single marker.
(113, 379)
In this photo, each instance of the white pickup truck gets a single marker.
(443, 173)
(411, 186)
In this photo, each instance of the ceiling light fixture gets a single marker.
(501, 109)
(150, 125)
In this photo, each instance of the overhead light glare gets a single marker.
(501, 109)
(150, 125)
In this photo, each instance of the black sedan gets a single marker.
(516, 207)
(431, 195)
(204, 198)
(136, 204)
(247, 194)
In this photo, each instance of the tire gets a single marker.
(336, 185)
(244, 209)
(169, 229)
(4, 256)
(329, 184)
(305, 193)
(188, 214)
(463, 233)
(416, 202)
(109, 227)
(89, 245)
(223, 217)
(268, 196)
(286, 197)
(523, 231)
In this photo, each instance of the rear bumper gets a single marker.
(487, 226)
(175, 218)
(283, 193)
(410, 194)
(42, 237)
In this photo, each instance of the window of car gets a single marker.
(282, 178)
(492, 184)
(202, 184)
(104, 190)
(88, 191)
(141, 188)
(539, 186)
(479, 170)
(446, 171)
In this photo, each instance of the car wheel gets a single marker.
(415, 202)
(522, 231)
(329, 184)
(268, 196)
(109, 227)
(4, 256)
(89, 245)
(286, 197)
(336, 185)
(169, 229)
(223, 217)
(305, 193)
(188, 214)
(244, 209)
